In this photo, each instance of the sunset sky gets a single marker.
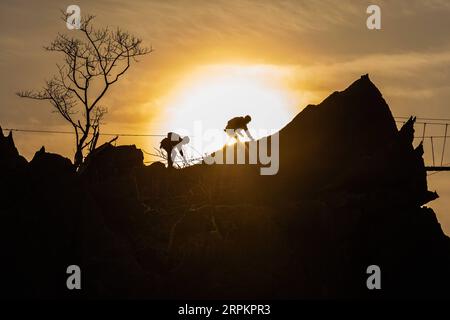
(217, 59)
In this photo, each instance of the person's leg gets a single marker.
(238, 132)
(180, 150)
(173, 155)
(231, 135)
(169, 158)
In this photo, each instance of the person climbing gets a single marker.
(236, 125)
(171, 144)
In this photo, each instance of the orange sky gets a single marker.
(307, 49)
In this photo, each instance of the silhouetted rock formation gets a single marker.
(9, 156)
(345, 135)
(353, 123)
(51, 164)
(108, 161)
(350, 140)
(349, 193)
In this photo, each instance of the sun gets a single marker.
(204, 100)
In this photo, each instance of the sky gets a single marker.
(268, 58)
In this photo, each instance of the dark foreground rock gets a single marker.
(10, 160)
(351, 192)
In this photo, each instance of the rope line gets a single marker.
(420, 122)
(429, 119)
(436, 137)
(435, 172)
(426, 122)
(70, 132)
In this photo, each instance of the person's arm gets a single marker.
(180, 150)
(249, 135)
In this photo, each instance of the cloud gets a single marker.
(324, 45)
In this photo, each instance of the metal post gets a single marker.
(423, 134)
(443, 145)
(432, 148)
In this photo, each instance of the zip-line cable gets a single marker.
(425, 124)
(163, 135)
(428, 119)
(70, 132)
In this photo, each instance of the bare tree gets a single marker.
(92, 63)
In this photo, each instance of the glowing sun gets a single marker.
(211, 95)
